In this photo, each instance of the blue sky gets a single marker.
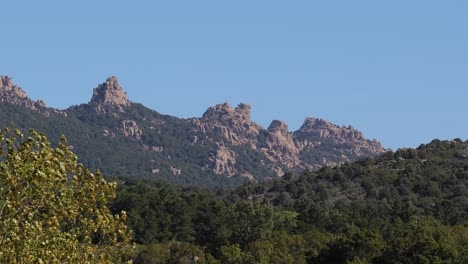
(396, 70)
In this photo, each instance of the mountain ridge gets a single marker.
(224, 141)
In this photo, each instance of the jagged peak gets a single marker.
(111, 93)
(13, 94)
(225, 111)
(277, 125)
(11, 89)
(317, 127)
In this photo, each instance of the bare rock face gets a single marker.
(110, 93)
(226, 127)
(224, 161)
(233, 124)
(317, 143)
(280, 146)
(13, 94)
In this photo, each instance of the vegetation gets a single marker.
(409, 206)
(54, 210)
(404, 207)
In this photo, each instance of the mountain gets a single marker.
(223, 147)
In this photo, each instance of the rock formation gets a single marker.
(233, 124)
(314, 128)
(314, 131)
(280, 146)
(110, 93)
(13, 94)
(131, 129)
(175, 171)
(224, 161)
(230, 127)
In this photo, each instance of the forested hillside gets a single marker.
(408, 206)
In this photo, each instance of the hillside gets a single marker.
(408, 206)
(430, 180)
(224, 147)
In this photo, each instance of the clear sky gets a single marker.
(396, 70)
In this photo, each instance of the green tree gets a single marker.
(426, 240)
(52, 209)
(250, 222)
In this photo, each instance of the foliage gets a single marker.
(404, 207)
(428, 181)
(53, 209)
(171, 253)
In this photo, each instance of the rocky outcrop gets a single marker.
(314, 131)
(314, 128)
(110, 93)
(317, 143)
(175, 171)
(280, 146)
(131, 129)
(13, 94)
(224, 161)
(233, 124)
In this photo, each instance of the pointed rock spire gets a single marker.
(226, 112)
(110, 93)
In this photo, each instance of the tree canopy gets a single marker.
(52, 208)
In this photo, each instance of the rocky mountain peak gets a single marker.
(9, 89)
(13, 94)
(110, 93)
(321, 128)
(225, 111)
(234, 124)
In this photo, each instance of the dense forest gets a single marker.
(408, 206)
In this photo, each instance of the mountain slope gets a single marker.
(430, 180)
(222, 147)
